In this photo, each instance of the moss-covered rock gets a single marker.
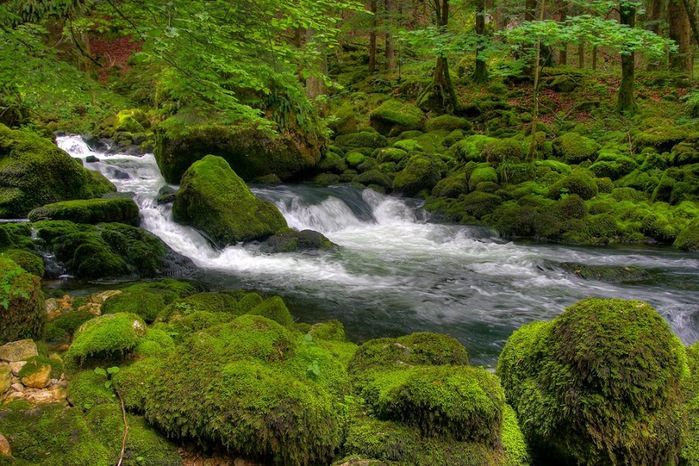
(105, 338)
(478, 203)
(420, 173)
(273, 309)
(34, 172)
(22, 309)
(447, 122)
(374, 178)
(51, 434)
(250, 152)
(251, 386)
(471, 148)
(480, 175)
(121, 210)
(87, 389)
(663, 138)
(579, 183)
(145, 304)
(216, 200)
(393, 117)
(15, 235)
(104, 250)
(452, 186)
(688, 239)
(369, 139)
(574, 148)
(601, 384)
(291, 241)
(201, 302)
(26, 259)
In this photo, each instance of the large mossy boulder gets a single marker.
(22, 309)
(104, 250)
(688, 239)
(217, 201)
(393, 117)
(573, 148)
(252, 153)
(105, 338)
(121, 210)
(251, 386)
(600, 384)
(420, 173)
(35, 172)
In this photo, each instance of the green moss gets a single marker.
(375, 178)
(273, 309)
(22, 308)
(15, 235)
(463, 402)
(143, 444)
(447, 122)
(332, 330)
(87, 389)
(213, 198)
(104, 250)
(556, 166)
(51, 434)
(452, 186)
(390, 442)
(170, 288)
(479, 204)
(250, 152)
(122, 210)
(257, 392)
(38, 363)
(573, 148)
(105, 337)
(200, 302)
(663, 138)
(472, 148)
(513, 441)
(248, 302)
(420, 173)
(362, 139)
(688, 239)
(157, 343)
(393, 117)
(142, 303)
(408, 145)
(480, 175)
(391, 154)
(601, 384)
(29, 261)
(420, 348)
(504, 150)
(354, 158)
(579, 183)
(69, 322)
(34, 172)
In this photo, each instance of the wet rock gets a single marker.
(166, 195)
(20, 350)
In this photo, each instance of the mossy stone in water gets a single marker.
(420, 173)
(216, 200)
(688, 239)
(121, 210)
(34, 172)
(600, 384)
(22, 308)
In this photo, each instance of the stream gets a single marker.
(396, 272)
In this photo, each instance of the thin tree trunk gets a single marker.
(581, 56)
(390, 51)
(690, 7)
(626, 102)
(563, 53)
(679, 31)
(537, 77)
(480, 74)
(654, 14)
(372, 38)
(595, 57)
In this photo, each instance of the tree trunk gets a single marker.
(625, 101)
(372, 38)
(315, 85)
(680, 33)
(440, 96)
(654, 14)
(390, 51)
(581, 56)
(563, 53)
(595, 57)
(480, 74)
(690, 7)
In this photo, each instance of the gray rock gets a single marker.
(19, 350)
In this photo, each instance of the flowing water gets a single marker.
(396, 273)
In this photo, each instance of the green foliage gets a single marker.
(121, 210)
(602, 383)
(106, 337)
(213, 198)
(22, 309)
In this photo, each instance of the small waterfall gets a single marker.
(396, 273)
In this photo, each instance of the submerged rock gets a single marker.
(216, 200)
(121, 210)
(34, 172)
(292, 241)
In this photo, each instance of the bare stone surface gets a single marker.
(5, 446)
(15, 367)
(39, 379)
(19, 350)
(5, 378)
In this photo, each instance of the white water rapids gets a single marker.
(396, 273)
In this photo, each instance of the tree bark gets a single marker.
(626, 102)
(654, 14)
(680, 32)
(372, 37)
(690, 7)
(390, 51)
(480, 74)
(563, 15)
(581, 56)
